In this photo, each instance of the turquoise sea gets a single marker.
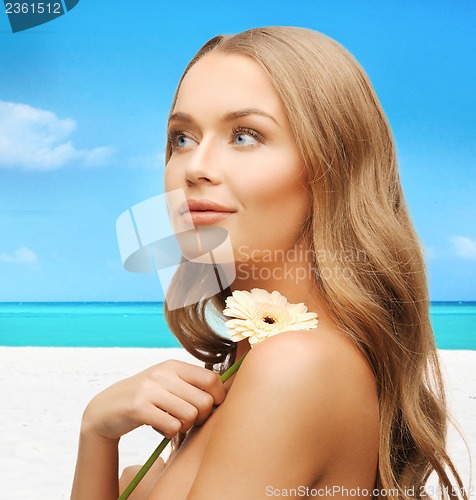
(142, 324)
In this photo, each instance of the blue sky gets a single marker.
(83, 105)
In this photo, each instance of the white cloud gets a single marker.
(35, 139)
(464, 247)
(22, 255)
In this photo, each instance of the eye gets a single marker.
(244, 140)
(246, 137)
(178, 140)
(182, 141)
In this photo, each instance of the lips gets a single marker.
(204, 212)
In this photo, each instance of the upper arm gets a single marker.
(287, 417)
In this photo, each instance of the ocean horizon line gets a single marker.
(143, 324)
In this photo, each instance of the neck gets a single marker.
(290, 272)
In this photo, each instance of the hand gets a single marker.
(171, 397)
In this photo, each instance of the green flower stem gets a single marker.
(232, 370)
(155, 455)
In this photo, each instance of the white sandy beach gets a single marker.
(43, 392)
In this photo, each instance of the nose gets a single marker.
(203, 166)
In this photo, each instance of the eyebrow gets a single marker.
(227, 117)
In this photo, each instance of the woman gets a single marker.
(276, 135)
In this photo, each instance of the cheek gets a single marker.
(280, 188)
(170, 178)
(276, 197)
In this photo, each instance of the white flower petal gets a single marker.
(278, 299)
(236, 337)
(296, 309)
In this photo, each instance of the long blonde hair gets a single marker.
(358, 210)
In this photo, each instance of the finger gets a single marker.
(190, 405)
(164, 423)
(204, 379)
(198, 398)
(170, 415)
(182, 408)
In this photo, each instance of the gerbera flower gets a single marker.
(259, 314)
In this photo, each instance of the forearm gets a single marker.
(96, 474)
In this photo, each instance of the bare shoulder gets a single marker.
(304, 397)
(319, 365)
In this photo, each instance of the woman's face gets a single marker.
(234, 156)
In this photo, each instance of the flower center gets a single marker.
(271, 320)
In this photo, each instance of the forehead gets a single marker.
(227, 81)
